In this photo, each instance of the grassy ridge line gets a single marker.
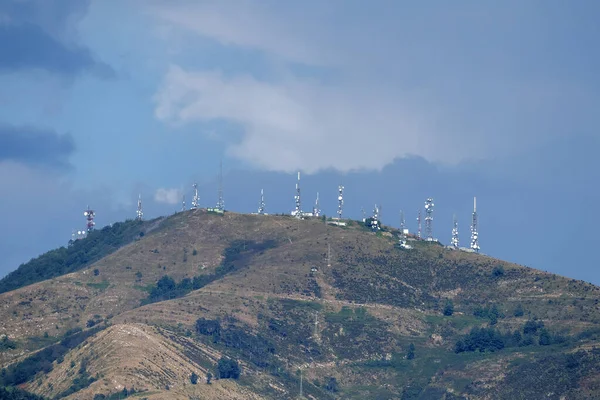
(97, 245)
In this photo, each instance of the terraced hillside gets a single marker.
(378, 322)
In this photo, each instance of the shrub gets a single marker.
(228, 368)
(194, 378)
(449, 308)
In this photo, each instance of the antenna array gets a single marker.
(298, 211)
(220, 201)
(89, 216)
(139, 214)
(419, 224)
(454, 241)
(316, 210)
(340, 201)
(196, 198)
(429, 218)
(261, 205)
(183, 203)
(474, 233)
(375, 225)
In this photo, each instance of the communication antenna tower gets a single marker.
(454, 241)
(89, 215)
(419, 224)
(196, 198)
(298, 211)
(474, 233)
(364, 215)
(183, 203)
(220, 201)
(261, 205)
(429, 218)
(139, 213)
(402, 227)
(375, 219)
(340, 201)
(316, 210)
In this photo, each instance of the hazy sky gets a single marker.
(399, 101)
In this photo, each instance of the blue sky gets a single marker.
(398, 101)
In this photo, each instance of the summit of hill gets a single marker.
(144, 309)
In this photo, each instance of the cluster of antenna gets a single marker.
(374, 220)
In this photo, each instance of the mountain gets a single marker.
(341, 312)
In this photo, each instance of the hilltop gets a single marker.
(378, 322)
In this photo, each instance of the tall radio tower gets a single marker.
(316, 210)
(89, 216)
(340, 201)
(454, 241)
(196, 198)
(402, 221)
(139, 214)
(429, 218)
(298, 211)
(220, 201)
(419, 224)
(261, 205)
(375, 225)
(183, 203)
(474, 233)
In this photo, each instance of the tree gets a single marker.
(332, 385)
(208, 378)
(519, 310)
(194, 378)
(410, 355)
(228, 368)
(449, 308)
(96, 272)
(545, 338)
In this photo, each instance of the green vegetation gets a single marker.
(78, 255)
(81, 381)
(13, 393)
(235, 257)
(41, 361)
(228, 368)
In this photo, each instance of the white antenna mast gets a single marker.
(316, 210)
(375, 219)
(474, 233)
(183, 203)
(340, 201)
(139, 213)
(298, 211)
(364, 215)
(429, 218)
(196, 198)
(419, 224)
(220, 201)
(454, 241)
(261, 205)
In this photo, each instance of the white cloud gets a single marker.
(406, 82)
(167, 196)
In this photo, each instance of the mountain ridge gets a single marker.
(371, 304)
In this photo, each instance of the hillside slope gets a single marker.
(259, 289)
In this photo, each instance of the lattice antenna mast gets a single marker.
(375, 219)
(364, 215)
(196, 198)
(454, 241)
(89, 216)
(183, 203)
(316, 210)
(429, 218)
(419, 224)
(474, 232)
(220, 201)
(139, 214)
(298, 210)
(261, 205)
(340, 201)
(402, 227)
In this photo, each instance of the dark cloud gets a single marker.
(34, 146)
(36, 36)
